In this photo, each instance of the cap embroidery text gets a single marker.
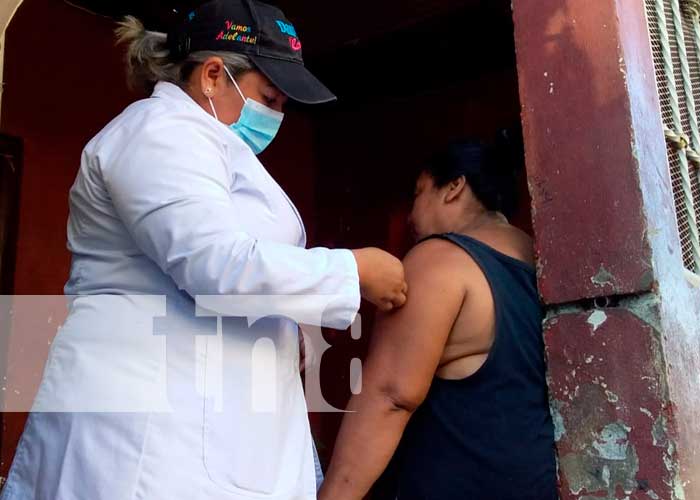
(294, 43)
(237, 33)
(287, 29)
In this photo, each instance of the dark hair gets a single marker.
(491, 170)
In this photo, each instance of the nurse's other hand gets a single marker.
(382, 280)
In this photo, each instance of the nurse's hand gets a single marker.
(382, 280)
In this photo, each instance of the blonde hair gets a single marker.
(148, 58)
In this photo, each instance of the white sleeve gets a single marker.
(172, 191)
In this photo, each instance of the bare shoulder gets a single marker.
(438, 274)
(437, 252)
(438, 259)
(509, 240)
(523, 244)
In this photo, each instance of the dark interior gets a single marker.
(10, 174)
(404, 93)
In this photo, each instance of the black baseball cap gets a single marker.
(257, 30)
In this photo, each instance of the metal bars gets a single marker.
(675, 43)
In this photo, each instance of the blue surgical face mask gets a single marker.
(258, 125)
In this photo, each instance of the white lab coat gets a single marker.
(168, 205)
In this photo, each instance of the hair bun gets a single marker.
(491, 170)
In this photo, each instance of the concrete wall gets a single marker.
(623, 326)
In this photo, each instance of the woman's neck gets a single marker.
(479, 220)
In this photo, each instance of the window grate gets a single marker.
(675, 42)
(696, 193)
(674, 156)
(664, 93)
(694, 65)
(677, 67)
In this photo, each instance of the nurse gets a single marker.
(147, 394)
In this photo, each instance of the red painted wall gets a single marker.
(62, 85)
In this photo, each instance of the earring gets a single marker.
(207, 92)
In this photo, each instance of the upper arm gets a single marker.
(407, 344)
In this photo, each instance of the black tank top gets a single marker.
(489, 436)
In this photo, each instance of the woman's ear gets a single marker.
(212, 70)
(455, 189)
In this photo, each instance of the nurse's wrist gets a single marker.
(361, 260)
(382, 280)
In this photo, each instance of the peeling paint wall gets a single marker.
(622, 332)
(611, 406)
(587, 211)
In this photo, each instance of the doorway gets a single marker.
(404, 94)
